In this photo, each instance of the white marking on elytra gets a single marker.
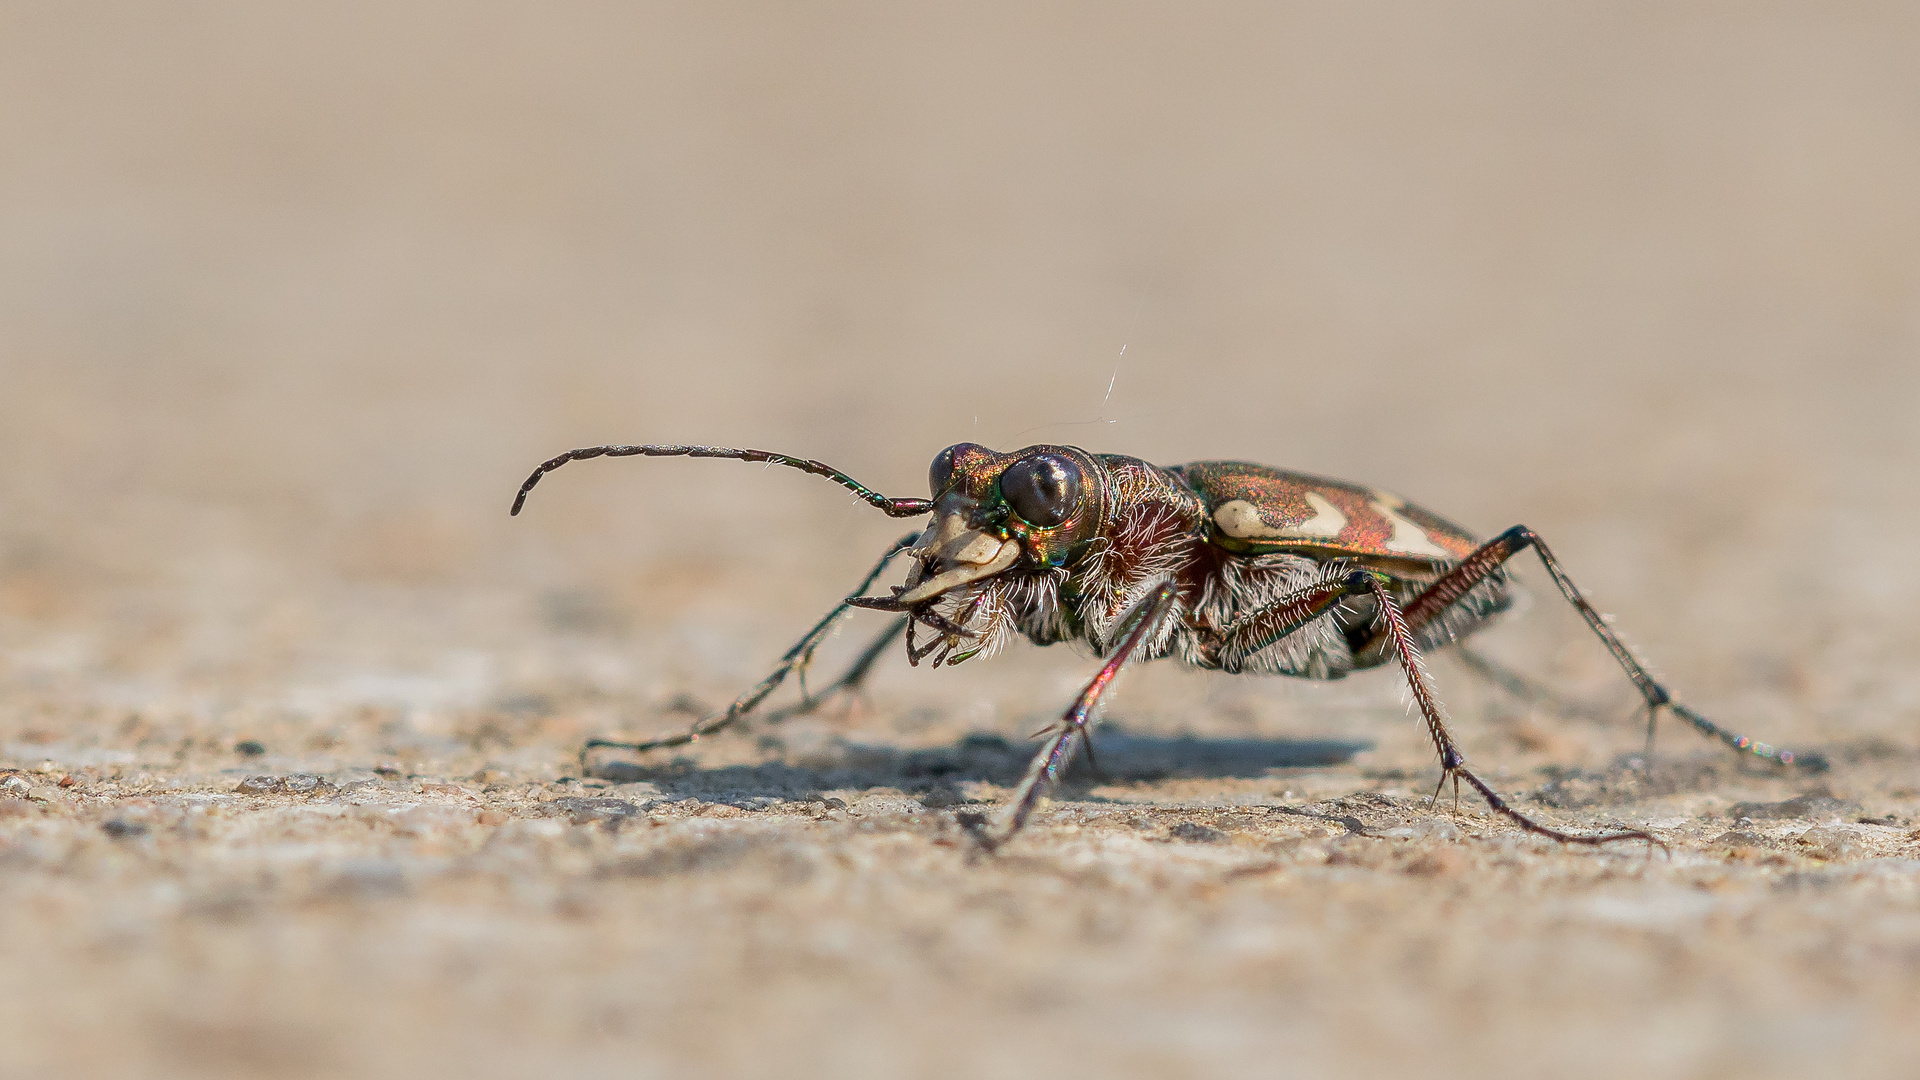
(1407, 538)
(1241, 520)
(1327, 520)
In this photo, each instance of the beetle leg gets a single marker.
(1262, 627)
(795, 659)
(850, 681)
(1071, 731)
(1452, 762)
(1520, 686)
(1475, 568)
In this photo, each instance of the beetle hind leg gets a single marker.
(1431, 604)
(1523, 687)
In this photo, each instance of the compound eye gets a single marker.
(941, 474)
(942, 470)
(1043, 489)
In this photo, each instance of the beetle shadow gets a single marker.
(933, 773)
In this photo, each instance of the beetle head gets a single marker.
(1036, 507)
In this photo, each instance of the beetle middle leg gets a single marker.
(795, 662)
(1398, 632)
(1477, 567)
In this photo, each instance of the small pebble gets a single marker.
(583, 811)
(292, 784)
(122, 829)
(1196, 833)
(1830, 843)
(249, 748)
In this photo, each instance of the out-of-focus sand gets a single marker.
(291, 298)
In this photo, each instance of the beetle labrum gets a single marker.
(1223, 565)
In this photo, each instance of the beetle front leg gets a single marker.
(850, 681)
(1071, 731)
(795, 661)
(1476, 567)
(1453, 764)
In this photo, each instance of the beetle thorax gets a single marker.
(1133, 528)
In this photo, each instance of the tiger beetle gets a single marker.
(1225, 565)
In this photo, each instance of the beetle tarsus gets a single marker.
(1489, 559)
(1526, 823)
(1452, 762)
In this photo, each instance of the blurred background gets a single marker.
(292, 296)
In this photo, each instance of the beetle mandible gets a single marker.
(1223, 565)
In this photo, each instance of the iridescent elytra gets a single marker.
(1225, 565)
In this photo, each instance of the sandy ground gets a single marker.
(290, 299)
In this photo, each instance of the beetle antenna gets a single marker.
(892, 507)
